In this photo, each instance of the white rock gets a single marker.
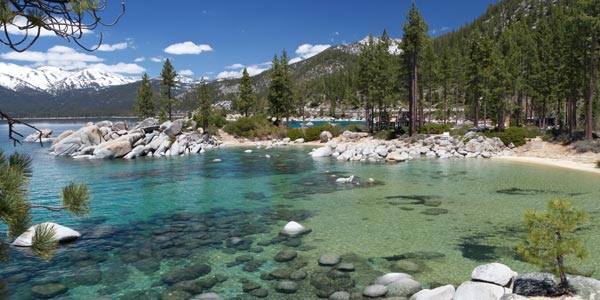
(322, 152)
(112, 149)
(293, 229)
(248, 151)
(61, 234)
(391, 277)
(345, 180)
(441, 293)
(376, 290)
(479, 291)
(299, 141)
(493, 273)
(404, 287)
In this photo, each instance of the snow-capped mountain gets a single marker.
(54, 80)
(356, 47)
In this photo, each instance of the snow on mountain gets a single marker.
(54, 80)
(356, 47)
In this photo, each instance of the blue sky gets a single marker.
(215, 38)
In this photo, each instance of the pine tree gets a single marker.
(366, 77)
(413, 41)
(168, 82)
(479, 62)
(144, 102)
(590, 17)
(281, 93)
(287, 92)
(205, 104)
(247, 99)
(551, 238)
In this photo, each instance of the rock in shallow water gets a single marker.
(293, 229)
(61, 234)
(493, 273)
(376, 290)
(329, 259)
(48, 291)
(441, 293)
(285, 256)
(286, 287)
(189, 273)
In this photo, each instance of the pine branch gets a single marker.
(12, 132)
(43, 242)
(48, 207)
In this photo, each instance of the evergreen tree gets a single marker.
(589, 12)
(287, 91)
(479, 61)
(168, 82)
(144, 102)
(551, 238)
(413, 41)
(366, 76)
(281, 97)
(247, 99)
(205, 104)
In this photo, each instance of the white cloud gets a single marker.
(139, 59)
(186, 73)
(113, 47)
(187, 48)
(61, 25)
(68, 59)
(157, 59)
(252, 70)
(235, 67)
(307, 51)
(120, 68)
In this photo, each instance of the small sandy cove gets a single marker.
(539, 152)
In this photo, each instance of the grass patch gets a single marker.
(514, 135)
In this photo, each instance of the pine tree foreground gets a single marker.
(551, 238)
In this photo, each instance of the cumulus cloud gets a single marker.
(307, 51)
(252, 70)
(187, 48)
(235, 67)
(20, 21)
(186, 73)
(68, 59)
(157, 59)
(113, 47)
(139, 59)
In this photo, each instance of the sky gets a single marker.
(216, 39)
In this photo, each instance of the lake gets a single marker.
(152, 218)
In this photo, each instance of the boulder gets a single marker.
(112, 149)
(85, 136)
(404, 287)
(299, 141)
(325, 136)
(493, 273)
(61, 234)
(48, 291)
(104, 123)
(535, 284)
(341, 295)
(293, 229)
(175, 149)
(174, 129)
(329, 259)
(44, 135)
(117, 126)
(322, 152)
(479, 291)
(445, 292)
(286, 287)
(391, 277)
(375, 290)
(136, 152)
(285, 255)
(396, 157)
(62, 136)
(189, 273)
(585, 286)
(345, 179)
(149, 122)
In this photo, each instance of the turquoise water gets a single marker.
(298, 124)
(153, 217)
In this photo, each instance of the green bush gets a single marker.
(514, 135)
(435, 128)
(312, 133)
(598, 164)
(386, 135)
(356, 128)
(258, 127)
(534, 131)
(215, 120)
(586, 146)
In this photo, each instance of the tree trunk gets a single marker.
(589, 127)
(430, 107)
(519, 108)
(445, 101)
(413, 97)
(476, 110)
(543, 122)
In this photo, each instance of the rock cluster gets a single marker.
(349, 147)
(114, 140)
(45, 135)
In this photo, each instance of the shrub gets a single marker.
(460, 131)
(386, 135)
(586, 146)
(435, 128)
(356, 128)
(598, 164)
(551, 238)
(312, 133)
(533, 132)
(514, 135)
(254, 127)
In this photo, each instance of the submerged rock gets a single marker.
(329, 259)
(61, 234)
(48, 291)
(293, 229)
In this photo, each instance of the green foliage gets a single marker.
(204, 108)
(162, 115)
(386, 135)
(515, 135)
(312, 133)
(43, 242)
(254, 127)
(598, 164)
(167, 82)
(247, 100)
(551, 237)
(76, 199)
(356, 128)
(144, 102)
(281, 91)
(435, 128)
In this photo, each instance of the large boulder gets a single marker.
(404, 287)
(322, 152)
(61, 234)
(62, 136)
(174, 129)
(44, 135)
(535, 284)
(325, 136)
(293, 229)
(391, 277)
(189, 273)
(445, 292)
(375, 290)
(586, 287)
(479, 291)
(493, 273)
(136, 152)
(86, 136)
(112, 149)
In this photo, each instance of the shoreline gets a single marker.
(551, 162)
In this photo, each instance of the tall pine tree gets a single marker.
(168, 81)
(144, 102)
(246, 100)
(204, 106)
